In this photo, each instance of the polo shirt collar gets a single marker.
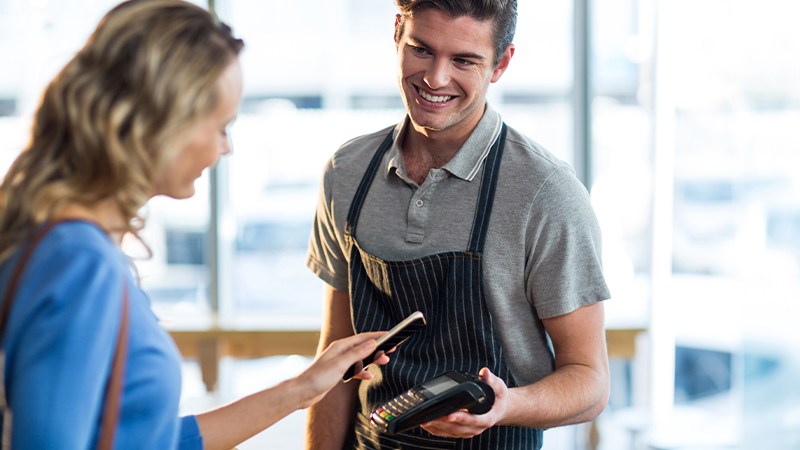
(466, 163)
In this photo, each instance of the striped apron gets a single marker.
(460, 335)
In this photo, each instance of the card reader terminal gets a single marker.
(432, 399)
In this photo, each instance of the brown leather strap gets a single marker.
(12, 285)
(113, 393)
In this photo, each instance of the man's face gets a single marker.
(445, 66)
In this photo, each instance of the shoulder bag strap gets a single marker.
(113, 395)
(17, 274)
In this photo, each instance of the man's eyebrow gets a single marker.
(464, 55)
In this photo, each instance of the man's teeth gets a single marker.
(434, 98)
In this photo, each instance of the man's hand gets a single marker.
(462, 424)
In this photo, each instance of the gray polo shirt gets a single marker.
(542, 256)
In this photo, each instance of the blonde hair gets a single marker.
(114, 112)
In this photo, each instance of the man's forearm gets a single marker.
(330, 420)
(572, 394)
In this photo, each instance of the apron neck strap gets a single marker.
(483, 211)
(363, 187)
(484, 207)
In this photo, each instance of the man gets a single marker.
(457, 215)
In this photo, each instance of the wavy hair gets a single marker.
(502, 12)
(114, 113)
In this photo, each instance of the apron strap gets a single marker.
(484, 207)
(363, 187)
(491, 170)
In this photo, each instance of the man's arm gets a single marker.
(577, 391)
(329, 421)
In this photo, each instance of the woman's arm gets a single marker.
(226, 427)
(60, 338)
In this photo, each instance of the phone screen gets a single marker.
(390, 340)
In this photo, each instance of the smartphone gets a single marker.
(390, 340)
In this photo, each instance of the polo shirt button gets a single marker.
(419, 202)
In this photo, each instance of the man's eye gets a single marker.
(462, 62)
(419, 50)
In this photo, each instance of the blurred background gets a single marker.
(677, 115)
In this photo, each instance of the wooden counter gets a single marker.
(208, 346)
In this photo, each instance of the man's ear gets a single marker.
(503, 62)
(397, 20)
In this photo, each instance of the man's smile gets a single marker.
(433, 98)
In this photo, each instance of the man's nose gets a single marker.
(438, 74)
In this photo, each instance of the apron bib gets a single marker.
(460, 335)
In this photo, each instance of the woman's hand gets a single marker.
(327, 369)
(462, 424)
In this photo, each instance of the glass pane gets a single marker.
(725, 105)
(622, 195)
(622, 153)
(176, 276)
(534, 94)
(735, 235)
(36, 40)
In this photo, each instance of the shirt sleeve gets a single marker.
(326, 252)
(565, 265)
(62, 335)
(190, 437)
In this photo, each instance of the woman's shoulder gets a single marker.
(77, 238)
(68, 281)
(75, 252)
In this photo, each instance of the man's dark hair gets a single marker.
(502, 12)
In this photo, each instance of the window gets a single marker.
(693, 178)
(698, 196)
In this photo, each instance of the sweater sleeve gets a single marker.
(64, 328)
(190, 437)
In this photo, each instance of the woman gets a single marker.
(140, 111)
